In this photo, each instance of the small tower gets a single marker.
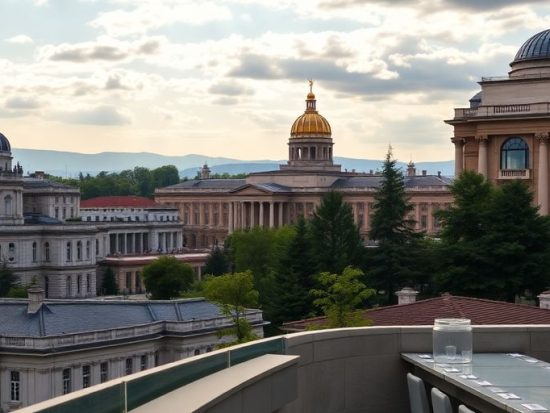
(411, 169)
(205, 172)
(11, 182)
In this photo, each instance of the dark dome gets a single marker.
(537, 47)
(4, 144)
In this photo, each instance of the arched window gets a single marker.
(514, 154)
(11, 252)
(69, 251)
(47, 251)
(7, 204)
(34, 252)
(79, 250)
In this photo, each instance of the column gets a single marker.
(271, 215)
(252, 224)
(201, 214)
(482, 155)
(280, 223)
(542, 184)
(230, 218)
(459, 155)
(132, 282)
(243, 217)
(261, 213)
(220, 222)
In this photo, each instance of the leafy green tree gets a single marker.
(216, 263)
(335, 238)
(165, 176)
(8, 280)
(144, 181)
(294, 279)
(234, 293)
(341, 296)
(395, 259)
(167, 277)
(499, 251)
(109, 285)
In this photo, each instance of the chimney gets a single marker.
(544, 299)
(406, 296)
(205, 172)
(439, 174)
(424, 172)
(36, 298)
(411, 170)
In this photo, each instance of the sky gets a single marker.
(228, 77)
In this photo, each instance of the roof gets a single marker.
(4, 143)
(78, 316)
(536, 47)
(118, 202)
(40, 183)
(227, 184)
(424, 312)
(374, 181)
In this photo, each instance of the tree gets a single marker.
(495, 244)
(335, 238)
(294, 279)
(8, 280)
(165, 176)
(216, 263)
(394, 260)
(166, 277)
(340, 297)
(234, 293)
(109, 285)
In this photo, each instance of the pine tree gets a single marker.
(293, 279)
(109, 285)
(335, 238)
(216, 263)
(394, 261)
(8, 280)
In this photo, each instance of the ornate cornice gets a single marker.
(542, 137)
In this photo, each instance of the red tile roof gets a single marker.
(118, 202)
(423, 312)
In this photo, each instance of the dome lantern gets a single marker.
(310, 123)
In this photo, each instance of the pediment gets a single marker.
(250, 190)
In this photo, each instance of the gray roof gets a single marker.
(40, 219)
(36, 183)
(209, 184)
(374, 181)
(67, 317)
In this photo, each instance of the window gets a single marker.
(15, 386)
(56, 212)
(64, 213)
(66, 381)
(11, 251)
(96, 247)
(78, 284)
(47, 251)
(197, 352)
(424, 221)
(128, 281)
(514, 154)
(129, 366)
(68, 287)
(7, 205)
(88, 284)
(104, 371)
(34, 252)
(79, 250)
(143, 362)
(46, 287)
(86, 376)
(69, 251)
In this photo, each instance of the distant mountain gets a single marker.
(70, 164)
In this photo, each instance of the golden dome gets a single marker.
(310, 124)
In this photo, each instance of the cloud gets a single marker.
(18, 102)
(431, 5)
(114, 83)
(230, 88)
(101, 116)
(225, 101)
(106, 50)
(19, 39)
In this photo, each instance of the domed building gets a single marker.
(504, 132)
(213, 208)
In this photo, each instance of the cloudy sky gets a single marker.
(228, 77)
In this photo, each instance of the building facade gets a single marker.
(211, 209)
(504, 133)
(51, 348)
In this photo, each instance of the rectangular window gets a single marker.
(129, 366)
(104, 372)
(423, 221)
(67, 381)
(85, 376)
(56, 213)
(143, 362)
(15, 386)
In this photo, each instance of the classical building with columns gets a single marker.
(503, 134)
(213, 208)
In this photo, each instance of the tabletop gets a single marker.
(512, 382)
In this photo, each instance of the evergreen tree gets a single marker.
(335, 238)
(216, 263)
(293, 279)
(109, 285)
(166, 278)
(394, 261)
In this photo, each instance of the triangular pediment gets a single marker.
(250, 189)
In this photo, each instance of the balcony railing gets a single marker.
(503, 110)
(514, 174)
